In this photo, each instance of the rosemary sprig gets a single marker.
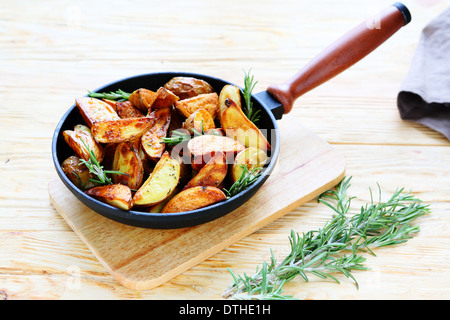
(177, 137)
(95, 168)
(117, 95)
(247, 178)
(249, 85)
(322, 252)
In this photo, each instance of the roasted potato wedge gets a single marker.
(142, 99)
(164, 99)
(212, 174)
(188, 87)
(95, 110)
(194, 198)
(152, 140)
(128, 161)
(160, 184)
(74, 137)
(117, 195)
(200, 121)
(208, 101)
(116, 131)
(125, 109)
(237, 126)
(203, 148)
(252, 157)
(229, 92)
(78, 173)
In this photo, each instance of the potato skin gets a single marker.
(212, 174)
(194, 198)
(121, 130)
(151, 140)
(142, 99)
(188, 87)
(125, 109)
(237, 126)
(229, 92)
(74, 139)
(200, 120)
(116, 195)
(164, 99)
(128, 161)
(208, 101)
(78, 173)
(94, 110)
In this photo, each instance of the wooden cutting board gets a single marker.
(142, 259)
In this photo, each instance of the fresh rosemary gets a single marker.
(117, 95)
(176, 138)
(95, 168)
(334, 249)
(246, 178)
(249, 85)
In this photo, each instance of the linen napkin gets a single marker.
(424, 96)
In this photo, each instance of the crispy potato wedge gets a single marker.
(229, 92)
(95, 110)
(116, 131)
(208, 101)
(200, 121)
(160, 184)
(237, 126)
(164, 99)
(212, 174)
(74, 137)
(151, 140)
(78, 173)
(142, 99)
(252, 157)
(117, 195)
(203, 148)
(188, 87)
(125, 109)
(128, 161)
(194, 198)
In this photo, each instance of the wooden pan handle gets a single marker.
(342, 54)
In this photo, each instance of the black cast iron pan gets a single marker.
(273, 103)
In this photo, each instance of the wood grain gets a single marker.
(52, 52)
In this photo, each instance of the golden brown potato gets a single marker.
(117, 195)
(74, 139)
(229, 92)
(212, 174)
(200, 121)
(160, 184)
(203, 148)
(94, 110)
(142, 99)
(208, 101)
(188, 87)
(128, 161)
(194, 198)
(237, 126)
(151, 141)
(121, 130)
(252, 157)
(164, 99)
(125, 109)
(78, 173)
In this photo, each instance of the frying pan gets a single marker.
(273, 103)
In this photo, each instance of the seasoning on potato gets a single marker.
(166, 149)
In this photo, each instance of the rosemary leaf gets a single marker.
(322, 252)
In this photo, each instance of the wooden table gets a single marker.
(52, 52)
